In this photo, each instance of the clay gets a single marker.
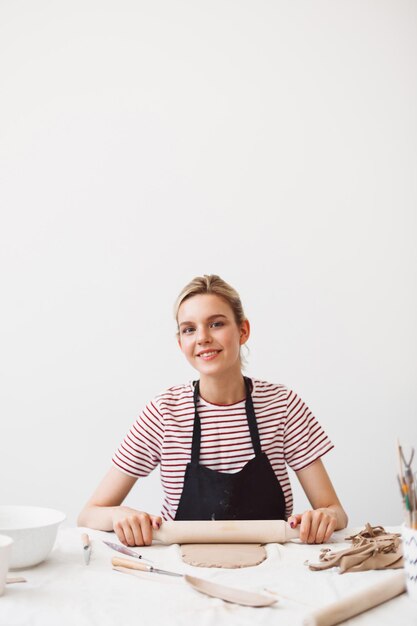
(228, 555)
(372, 548)
(230, 594)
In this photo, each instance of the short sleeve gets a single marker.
(304, 439)
(140, 451)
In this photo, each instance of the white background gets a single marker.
(143, 143)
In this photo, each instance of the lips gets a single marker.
(207, 355)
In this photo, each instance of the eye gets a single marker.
(187, 330)
(217, 324)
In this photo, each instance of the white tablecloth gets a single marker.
(64, 591)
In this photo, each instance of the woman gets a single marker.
(222, 442)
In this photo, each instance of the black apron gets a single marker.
(253, 493)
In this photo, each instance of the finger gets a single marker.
(136, 528)
(132, 531)
(305, 526)
(322, 529)
(316, 518)
(146, 528)
(118, 529)
(156, 522)
(330, 529)
(294, 520)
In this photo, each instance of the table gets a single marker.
(63, 591)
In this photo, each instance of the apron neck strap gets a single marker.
(195, 448)
(250, 415)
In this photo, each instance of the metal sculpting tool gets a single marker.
(209, 588)
(86, 548)
(124, 550)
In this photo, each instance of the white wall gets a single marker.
(143, 143)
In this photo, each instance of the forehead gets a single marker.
(203, 306)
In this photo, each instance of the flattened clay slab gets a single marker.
(229, 555)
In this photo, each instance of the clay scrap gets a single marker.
(372, 548)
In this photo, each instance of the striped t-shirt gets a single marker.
(162, 434)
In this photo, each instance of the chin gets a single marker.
(212, 371)
(206, 367)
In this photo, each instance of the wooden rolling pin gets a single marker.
(357, 602)
(229, 531)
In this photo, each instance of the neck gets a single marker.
(223, 390)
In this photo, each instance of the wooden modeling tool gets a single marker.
(15, 579)
(228, 531)
(229, 594)
(143, 567)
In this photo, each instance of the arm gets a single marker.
(327, 515)
(103, 511)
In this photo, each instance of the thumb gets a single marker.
(156, 522)
(294, 520)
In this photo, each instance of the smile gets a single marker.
(207, 356)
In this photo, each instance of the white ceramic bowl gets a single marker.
(33, 530)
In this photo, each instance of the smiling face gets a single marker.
(209, 336)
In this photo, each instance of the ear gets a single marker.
(244, 332)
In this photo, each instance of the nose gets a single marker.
(203, 335)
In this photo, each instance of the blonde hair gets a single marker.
(212, 284)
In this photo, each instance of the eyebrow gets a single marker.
(211, 317)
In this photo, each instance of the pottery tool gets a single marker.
(228, 531)
(229, 594)
(124, 550)
(357, 603)
(143, 567)
(408, 487)
(15, 579)
(86, 548)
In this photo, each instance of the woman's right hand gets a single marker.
(134, 528)
(105, 511)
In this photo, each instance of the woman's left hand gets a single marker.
(315, 526)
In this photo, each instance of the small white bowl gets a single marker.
(33, 530)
